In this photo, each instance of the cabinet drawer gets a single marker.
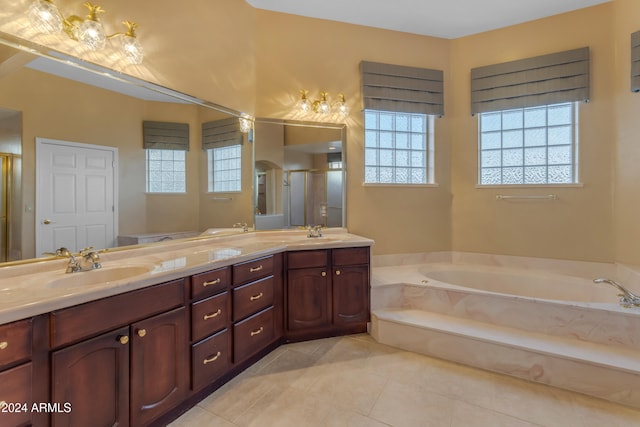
(210, 359)
(251, 298)
(350, 256)
(252, 334)
(307, 259)
(252, 270)
(210, 283)
(210, 315)
(15, 391)
(15, 342)
(82, 321)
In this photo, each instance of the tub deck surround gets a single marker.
(591, 346)
(31, 289)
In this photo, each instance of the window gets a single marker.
(225, 168)
(166, 171)
(398, 148)
(536, 145)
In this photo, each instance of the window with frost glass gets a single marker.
(166, 171)
(398, 148)
(536, 145)
(225, 169)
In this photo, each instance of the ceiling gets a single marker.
(439, 18)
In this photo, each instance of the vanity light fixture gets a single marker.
(322, 105)
(46, 18)
(246, 123)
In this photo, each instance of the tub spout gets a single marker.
(627, 298)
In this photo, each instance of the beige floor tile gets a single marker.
(468, 415)
(200, 417)
(353, 381)
(409, 405)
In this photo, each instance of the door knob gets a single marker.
(46, 222)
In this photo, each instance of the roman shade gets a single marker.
(635, 62)
(541, 80)
(221, 133)
(165, 135)
(387, 87)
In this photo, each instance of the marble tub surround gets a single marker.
(35, 288)
(590, 347)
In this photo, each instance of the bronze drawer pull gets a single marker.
(3, 345)
(213, 359)
(258, 268)
(212, 315)
(255, 297)
(253, 333)
(213, 282)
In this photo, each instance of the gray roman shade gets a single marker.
(387, 87)
(221, 133)
(165, 135)
(541, 80)
(635, 62)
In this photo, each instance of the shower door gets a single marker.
(315, 198)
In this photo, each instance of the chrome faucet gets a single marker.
(245, 227)
(315, 231)
(627, 298)
(85, 260)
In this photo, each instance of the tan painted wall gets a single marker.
(627, 154)
(294, 53)
(579, 225)
(256, 61)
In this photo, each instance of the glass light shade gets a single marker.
(246, 123)
(343, 110)
(92, 34)
(324, 107)
(132, 49)
(304, 105)
(45, 17)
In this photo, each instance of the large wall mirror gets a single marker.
(43, 98)
(300, 174)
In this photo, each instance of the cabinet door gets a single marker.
(308, 299)
(93, 377)
(16, 397)
(159, 365)
(350, 295)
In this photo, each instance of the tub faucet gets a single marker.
(315, 231)
(627, 298)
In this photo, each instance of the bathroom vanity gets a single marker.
(140, 350)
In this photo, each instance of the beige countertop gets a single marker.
(30, 289)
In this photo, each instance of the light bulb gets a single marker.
(92, 34)
(45, 17)
(132, 49)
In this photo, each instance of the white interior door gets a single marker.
(76, 195)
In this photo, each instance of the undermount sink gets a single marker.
(98, 276)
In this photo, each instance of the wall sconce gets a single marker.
(46, 18)
(322, 106)
(246, 123)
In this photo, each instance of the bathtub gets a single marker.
(542, 320)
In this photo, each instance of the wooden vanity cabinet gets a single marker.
(24, 371)
(327, 292)
(133, 373)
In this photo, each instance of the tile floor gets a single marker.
(354, 381)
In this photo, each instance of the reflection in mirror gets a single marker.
(300, 174)
(44, 98)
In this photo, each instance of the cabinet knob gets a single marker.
(3, 404)
(253, 333)
(324, 273)
(212, 315)
(3, 345)
(123, 339)
(337, 272)
(142, 333)
(255, 297)
(213, 359)
(213, 282)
